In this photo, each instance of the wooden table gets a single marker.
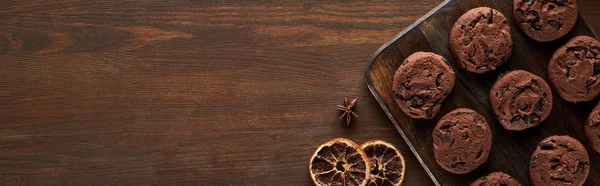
(190, 92)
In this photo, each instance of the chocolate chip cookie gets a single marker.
(575, 68)
(545, 20)
(421, 83)
(480, 40)
(559, 160)
(521, 100)
(496, 179)
(592, 128)
(462, 141)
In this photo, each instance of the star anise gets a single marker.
(348, 109)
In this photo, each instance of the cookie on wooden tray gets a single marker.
(545, 20)
(496, 179)
(559, 160)
(521, 100)
(421, 84)
(592, 129)
(480, 40)
(574, 69)
(462, 141)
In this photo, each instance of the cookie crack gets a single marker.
(561, 179)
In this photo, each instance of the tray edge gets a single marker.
(378, 98)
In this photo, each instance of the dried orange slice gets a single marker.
(387, 163)
(339, 162)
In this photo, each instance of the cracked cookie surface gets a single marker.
(559, 160)
(520, 100)
(421, 84)
(545, 20)
(592, 129)
(496, 179)
(462, 141)
(574, 69)
(480, 40)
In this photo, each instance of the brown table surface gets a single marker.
(190, 92)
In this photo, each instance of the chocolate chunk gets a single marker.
(593, 121)
(460, 163)
(554, 24)
(430, 112)
(562, 179)
(446, 125)
(445, 137)
(595, 51)
(590, 82)
(515, 119)
(547, 146)
(539, 106)
(561, 2)
(437, 133)
(478, 153)
(468, 41)
(416, 102)
(536, 27)
(526, 119)
(566, 147)
(534, 119)
(596, 68)
(535, 16)
(436, 99)
(580, 49)
(468, 58)
(438, 79)
(490, 16)
(580, 167)
(475, 22)
(406, 86)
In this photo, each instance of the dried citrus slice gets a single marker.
(339, 162)
(387, 163)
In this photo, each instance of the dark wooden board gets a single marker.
(511, 151)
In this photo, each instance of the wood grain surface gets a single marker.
(190, 92)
